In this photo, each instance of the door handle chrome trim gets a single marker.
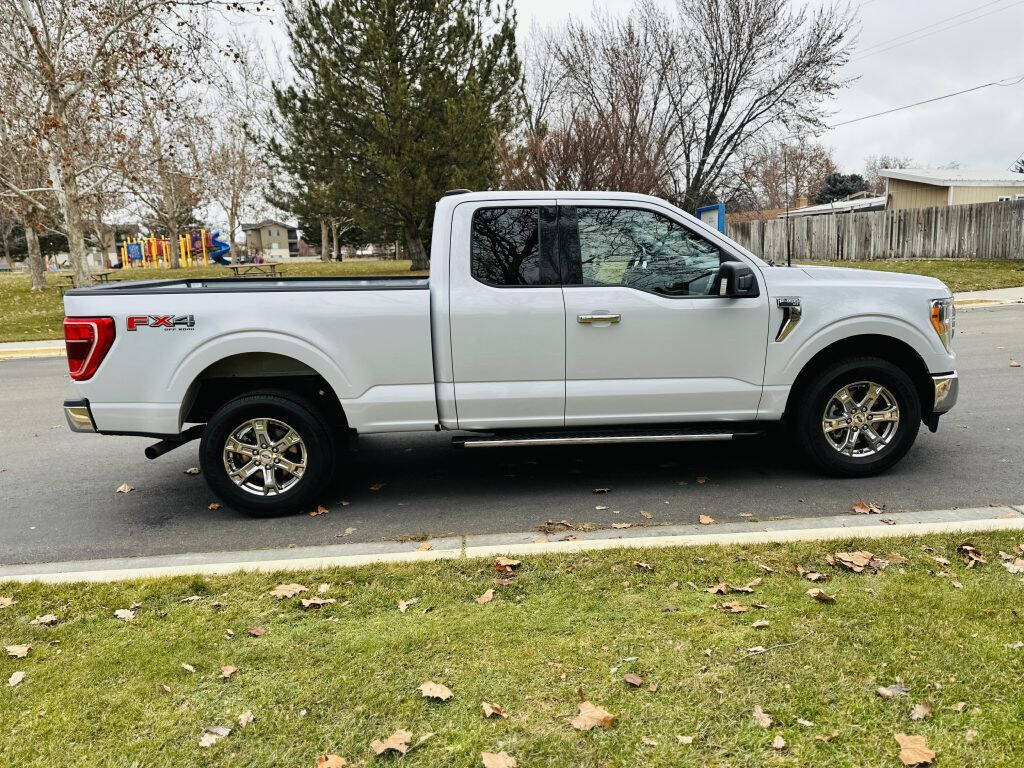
(599, 318)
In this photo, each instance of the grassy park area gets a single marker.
(25, 316)
(765, 674)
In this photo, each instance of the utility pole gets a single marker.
(785, 196)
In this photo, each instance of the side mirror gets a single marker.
(736, 281)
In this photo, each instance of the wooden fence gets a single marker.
(981, 231)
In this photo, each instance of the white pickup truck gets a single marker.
(548, 318)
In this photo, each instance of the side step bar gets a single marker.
(603, 437)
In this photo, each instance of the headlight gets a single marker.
(943, 317)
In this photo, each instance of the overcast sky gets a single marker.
(984, 129)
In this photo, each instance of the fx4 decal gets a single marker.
(169, 322)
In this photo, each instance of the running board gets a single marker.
(603, 437)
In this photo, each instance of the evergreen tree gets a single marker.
(839, 186)
(394, 101)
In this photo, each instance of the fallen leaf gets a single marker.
(124, 488)
(47, 620)
(602, 490)
(670, 609)
(652, 688)
(702, 479)
(760, 624)
(1014, 566)
(403, 605)
(15, 678)
(754, 651)
(424, 546)
(734, 607)
(648, 742)
(866, 508)
(124, 614)
(377, 486)
(313, 603)
(778, 742)
(7, 602)
(826, 737)
(633, 679)
(190, 599)
(804, 723)
(821, 595)
(591, 716)
(706, 519)
(895, 558)
(810, 575)
(396, 742)
(541, 540)
(913, 750)
(432, 690)
(762, 718)
(684, 739)
(970, 555)
(970, 735)
(331, 761)
(854, 561)
(642, 566)
(282, 591)
(164, 688)
(245, 719)
(192, 471)
(600, 507)
(188, 668)
(320, 510)
(921, 711)
(622, 525)
(493, 710)
(213, 505)
(498, 760)
(645, 514)
(212, 735)
(257, 631)
(1014, 363)
(227, 671)
(486, 597)
(892, 691)
(506, 565)
(18, 651)
(721, 588)
(1016, 646)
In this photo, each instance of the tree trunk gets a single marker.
(62, 170)
(335, 247)
(36, 267)
(414, 245)
(324, 234)
(232, 226)
(175, 249)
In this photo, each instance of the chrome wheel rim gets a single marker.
(265, 457)
(861, 419)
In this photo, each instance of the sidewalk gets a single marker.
(989, 298)
(10, 350)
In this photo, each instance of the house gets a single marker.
(272, 239)
(855, 203)
(931, 187)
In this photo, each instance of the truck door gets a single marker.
(648, 340)
(507, 315)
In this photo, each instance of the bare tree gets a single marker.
(875, 163)
(780, 175)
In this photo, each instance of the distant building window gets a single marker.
(1004, 198)
(275, 246)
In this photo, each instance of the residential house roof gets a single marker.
(956, 177)
(267, 223)
(839, 206)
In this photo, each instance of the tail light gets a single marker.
(88, 339)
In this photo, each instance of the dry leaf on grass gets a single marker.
(684, 739)
(331, 761)
(124, 614)
(642, 566)
(592, 716)
(227, 671)
(762, 718)
(854, 561)
(778, 742)
(485, 598)
(190, 599)
(760, 624)
(892, 691)
(317, 602)
(633, 679)
(913, 750)
(213, 505)
(734, 607)
(283, 591)
(396, 742)
(721, 588)
(192, 471)
(821, 596)
(245, 719)
(213, 734)
(804, 723)
(493, 710)
(188, 668)
(256, 631)
(706, 519)
(403, 605)
(498, 760)
(7, 602)
(506, 564)
(46, 620)
(866, 508)
(164, 688)
(970, 555)
(18, 651)
(124, 488)
(1014, 566)
(432, 690)
(15, 679)
(921, 711)
(810, 575)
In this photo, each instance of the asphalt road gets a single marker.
(57, 499)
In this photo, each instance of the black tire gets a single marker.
(817, 395)
(281, 408)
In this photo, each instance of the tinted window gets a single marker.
(644, 250)
(505, 247)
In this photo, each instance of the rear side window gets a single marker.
(511, 247)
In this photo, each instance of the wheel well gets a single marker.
(895, 351)
(238, 374)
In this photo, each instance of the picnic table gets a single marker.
(266, 269)
(100, 276)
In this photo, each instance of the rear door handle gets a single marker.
(599, 318)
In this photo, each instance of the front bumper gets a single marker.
(947, 388)
(79, 416)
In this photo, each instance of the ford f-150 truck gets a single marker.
(548, 318)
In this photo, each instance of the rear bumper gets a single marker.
(79, 416)
(947, 389)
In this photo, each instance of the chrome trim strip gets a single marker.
(598, 318)
(791, 314)
(79, 419)
(947, 389)
(485, 442)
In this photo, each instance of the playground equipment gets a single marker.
(196, 248)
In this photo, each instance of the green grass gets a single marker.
(335, 679)
(959, 275)
(27, 316)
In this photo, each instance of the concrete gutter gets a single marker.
(525, 544)
(12, 350)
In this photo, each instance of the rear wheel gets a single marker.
(859, 417)
(267, 453)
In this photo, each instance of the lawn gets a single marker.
(101, 690)
(27, 316)
(959, 275)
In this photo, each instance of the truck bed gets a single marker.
(253, 285)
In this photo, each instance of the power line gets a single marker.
(881, 43)
(935, 31)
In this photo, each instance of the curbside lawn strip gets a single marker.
(702, 656)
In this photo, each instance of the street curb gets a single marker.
(520, 544)
(18, 354)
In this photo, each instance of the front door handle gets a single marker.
(604, 317)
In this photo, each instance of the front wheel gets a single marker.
(859, 417)
(266, 453)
